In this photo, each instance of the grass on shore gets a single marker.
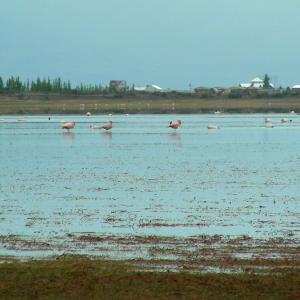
(135, 105)
(83, 278)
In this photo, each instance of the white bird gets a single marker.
(267, 120)
(213, 126)
(269, 125)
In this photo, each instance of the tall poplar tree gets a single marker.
(267, 81)
(1, 84)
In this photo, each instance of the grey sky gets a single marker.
(167, 42)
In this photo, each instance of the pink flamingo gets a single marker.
(176, 124)
(68, 125)
(107, 126)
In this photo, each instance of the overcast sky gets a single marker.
(167, 42)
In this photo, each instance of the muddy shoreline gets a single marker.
(194, 254)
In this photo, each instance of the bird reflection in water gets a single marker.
(176, 138)
(107, 135)
(69, 136)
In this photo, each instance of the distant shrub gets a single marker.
(234, 95)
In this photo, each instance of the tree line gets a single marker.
(47, 85)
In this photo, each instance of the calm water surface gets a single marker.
(142, 178)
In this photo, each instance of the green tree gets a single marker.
(27, 86)
(32, 86)
(267, 81)
(38, 84)
(49, 85)
(1, 84)
(11, 84)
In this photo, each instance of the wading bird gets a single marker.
(68, 125)
(106, 126)
(269, 125)
(175, 124)
(212, 126)
(267, 120)
(285, 120)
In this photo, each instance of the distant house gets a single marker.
(296, 89)
(204, 91)
(219, 90)
(245, 85)
(118, 85)
(139, 88)
(150, 88)
(255, 83)
(153, 88)
(201, 89)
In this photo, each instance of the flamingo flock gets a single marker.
(172, 124)
(70, 125)
(175, 124)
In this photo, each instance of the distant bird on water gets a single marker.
(68, 125)
(285, 120)
(269, 125)
(106, 126)
(212, 126)
(175, 124)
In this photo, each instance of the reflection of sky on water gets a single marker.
(242, 180)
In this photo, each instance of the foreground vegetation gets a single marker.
(83, 278)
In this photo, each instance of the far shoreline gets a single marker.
(55, 104)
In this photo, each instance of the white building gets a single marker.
(256, 83)
(245, 85)
(118, 85)
(151, 88)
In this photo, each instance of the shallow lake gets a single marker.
(143, 178)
